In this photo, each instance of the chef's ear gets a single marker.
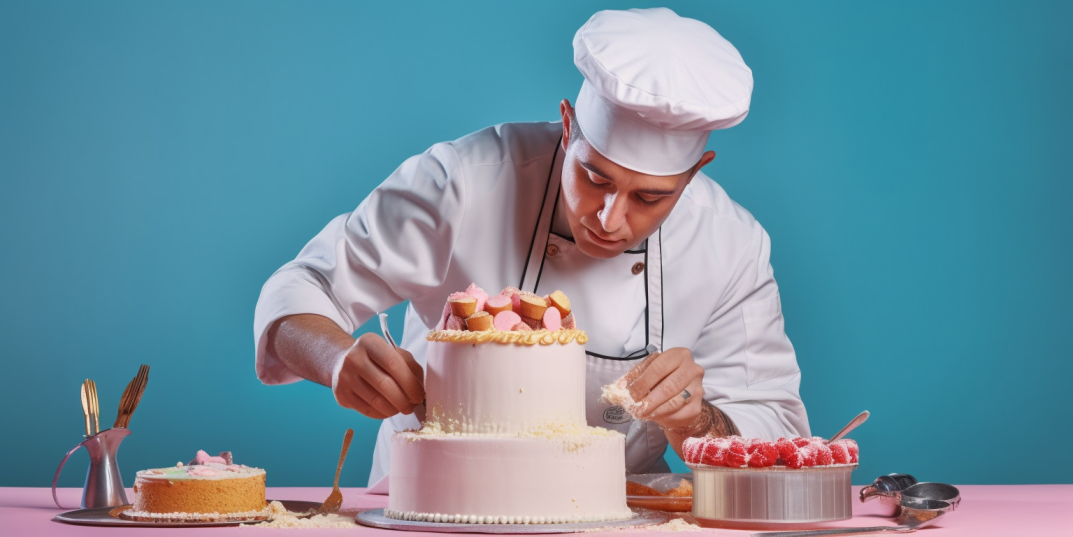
(707, 157)
(569, 122)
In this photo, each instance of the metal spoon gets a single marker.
(419, 410)
(853, 424)
(335, 499)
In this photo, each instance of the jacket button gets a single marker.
(638, 268)
(552, 250)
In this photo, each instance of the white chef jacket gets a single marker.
(479, 210)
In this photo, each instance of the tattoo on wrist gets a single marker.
(711, 421)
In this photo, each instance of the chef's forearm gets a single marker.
(309, 345)
(710, 422)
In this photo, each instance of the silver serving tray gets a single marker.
(376, 519)
(773, 497)
(102, 516)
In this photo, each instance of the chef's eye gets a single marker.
(598, 181)
(649, 200)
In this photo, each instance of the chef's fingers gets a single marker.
(668, 391)
(394, 364)
(668, 412)
(384, 385)
(631, 376)
(683, 417)
(419, 373)
(661, 365)
(348, 398)
(378, 400)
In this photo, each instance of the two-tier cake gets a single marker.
(505, 440)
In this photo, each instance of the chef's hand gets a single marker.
(658, 383)
(376, 380)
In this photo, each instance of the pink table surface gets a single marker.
(985, 510)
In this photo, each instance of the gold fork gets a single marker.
(335, 499)
(94, 406)
(85, 406)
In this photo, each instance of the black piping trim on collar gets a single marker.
(536, 285)
(648, 327)
(633, 356)
(662, 295)
(536, 228)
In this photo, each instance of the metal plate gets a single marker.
(102, 516)
(376, 519)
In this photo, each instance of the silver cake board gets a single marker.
(375, 518)
(104, 516)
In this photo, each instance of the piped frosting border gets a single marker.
(561, 336)
(480, 519)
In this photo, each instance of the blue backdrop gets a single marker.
(158, 161)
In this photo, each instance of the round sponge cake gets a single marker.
(212, 490)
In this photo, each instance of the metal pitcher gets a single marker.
(104, 486)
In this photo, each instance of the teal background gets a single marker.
(158, 161)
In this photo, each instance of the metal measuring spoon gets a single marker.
(932, 491)
(888, 489)
(896, 490)
(419, 410)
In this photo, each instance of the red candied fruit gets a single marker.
(691, 449)
(713, 453)
(761, 454)
(735, 452)
(839, 453)
(796, 459)
(785, 447)
(854, 451)
(823, 454)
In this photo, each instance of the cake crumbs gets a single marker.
(282, 518)
(675, 526)
(672, 526)
(431, 428)
(620, 395)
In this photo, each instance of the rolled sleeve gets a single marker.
(395, 246)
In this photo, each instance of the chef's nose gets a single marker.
(613, 215)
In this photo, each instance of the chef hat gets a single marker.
(656, 85)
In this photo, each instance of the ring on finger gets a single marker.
(685, 394)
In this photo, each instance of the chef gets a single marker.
(668, 276)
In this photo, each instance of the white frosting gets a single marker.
(198, 471)
(494, 388)
(506, 441)
(534, 479)
(214, 516)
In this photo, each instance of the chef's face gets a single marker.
(611, 208)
